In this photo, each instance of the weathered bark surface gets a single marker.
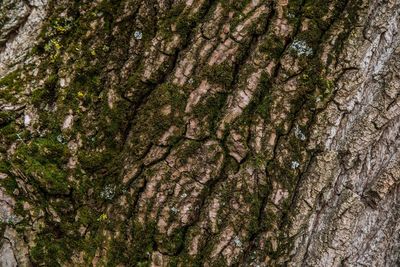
(199, 133)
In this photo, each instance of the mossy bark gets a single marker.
(200, 133)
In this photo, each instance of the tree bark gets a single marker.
(199, 133)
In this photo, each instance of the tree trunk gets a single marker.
(199, 133)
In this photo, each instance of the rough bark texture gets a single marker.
(199, 133)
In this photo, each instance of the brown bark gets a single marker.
(199, 133)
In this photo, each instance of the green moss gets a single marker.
(293, 9)
(176, 16)
(264, 97)
(50, 250)
(172, 243)
(3, 227)
(9, 183)
(6, 117)
(11, 80)
(48, 175)
(220, 261)
(312, 80)
(44, 159)
(47, 94)
(137, 252)
(163, 109)
(92, 160)
(58, 26)
(220, 74)
(231, 165)
(10, 85)
(189, 149)
(235, 5)
(9, 133)
(273, 46)
(210, 110)
(316, 11)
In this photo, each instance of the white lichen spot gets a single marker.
(61, 139)
(301, 48)
(291, 15)
(174, 210)
(68, 122)
(63, 83)
(299, 134)
(295, 165)
(108, 192)
(27, 120)
(12, 219)
(138, 35)
(183, 195)
(19, 137)
(106, 48)
(237, 241)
